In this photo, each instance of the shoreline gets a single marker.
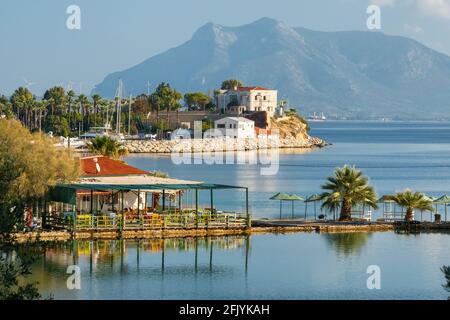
(259, 227)
(185, 233)
(221, 144)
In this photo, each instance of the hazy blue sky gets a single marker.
(37, 46)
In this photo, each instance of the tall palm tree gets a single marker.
(106, 146)
(413, 200)
(347, 188)
(96, 101)
(22, 99)
(83, 103)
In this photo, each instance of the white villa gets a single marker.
(247, 99)
(235, 127)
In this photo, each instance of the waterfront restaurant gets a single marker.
(112, 195)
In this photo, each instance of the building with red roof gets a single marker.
(104, 166)
(240, 100)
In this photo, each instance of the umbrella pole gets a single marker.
(292, 204)
(315, 213)
(281, 204)
(445, 212)
(305, 214)
(306, 208)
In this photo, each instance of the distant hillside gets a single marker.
(351, 74)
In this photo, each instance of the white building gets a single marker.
(236, 127)
(247, 99)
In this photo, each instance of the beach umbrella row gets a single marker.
(293, 197)
(286, 197)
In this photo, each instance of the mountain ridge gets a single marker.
(352, 74)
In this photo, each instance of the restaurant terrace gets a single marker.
(113, 196)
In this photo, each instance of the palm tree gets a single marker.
(106, 146)
(21, 99)
(347, 188)
(413, 200)
(83, 103)
(96, 102)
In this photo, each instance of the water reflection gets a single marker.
(347, 243)
(104, 258)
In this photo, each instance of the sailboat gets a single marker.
(106, 130)
(316, 117)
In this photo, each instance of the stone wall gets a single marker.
(219, 144)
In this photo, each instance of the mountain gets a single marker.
(353, 74)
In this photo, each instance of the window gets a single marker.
(264, 98)
(221, 126)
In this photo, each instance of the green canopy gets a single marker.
(294, 197)
(280, 196)
(313, 198)
(442, 200)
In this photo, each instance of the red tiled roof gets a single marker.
(251, 88)
(108, 167)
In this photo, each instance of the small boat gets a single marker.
(95, 132)
(316, 117)
(74, 143)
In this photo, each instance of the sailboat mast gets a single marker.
(129, 115)
(119, 107)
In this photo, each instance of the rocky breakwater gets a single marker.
(286, 132)
(219, 144)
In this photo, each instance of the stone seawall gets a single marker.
(219, 144)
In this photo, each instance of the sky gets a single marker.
(38, 50)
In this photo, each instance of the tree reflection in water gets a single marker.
(347, 243)
(446, 271)
(103, 253)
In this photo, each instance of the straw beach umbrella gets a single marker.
(312, 198)
(445, 200)
(281, 197)
(292, 198)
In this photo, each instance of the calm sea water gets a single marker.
(395, 155)
(297, 266)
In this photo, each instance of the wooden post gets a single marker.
(146, 202)
(196, 208)
(112, 200)
(445, 204)
(92, 201)
(211, 212)
(281, 207)
(249, 222)
(306, 208)
(292, 208)
(163, 208)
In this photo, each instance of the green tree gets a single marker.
(446, 271)
(5, 106)
(29, 166)
(96, 103)
(196, 100)
(410, 201)
(56, 97)
(70, 100)
(22, 101)
(167, 98)
(231, 83)
(83, 109)
(106, 146)
(347, 188)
